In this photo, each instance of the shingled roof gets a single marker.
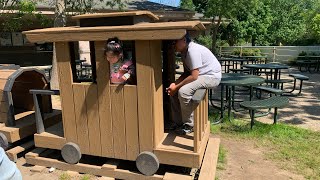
(130, 5)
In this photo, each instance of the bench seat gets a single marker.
(272, 102)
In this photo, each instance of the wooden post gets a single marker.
(66, 92)
(145, 96)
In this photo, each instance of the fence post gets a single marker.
(240, 51)
(274, 54)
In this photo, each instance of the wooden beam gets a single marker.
(47, 140)
(66, 93)
(145, 96)
(176, 158)
(199, 157)
(100, 36)
(13, 153)
(210, 160)
(157, 91)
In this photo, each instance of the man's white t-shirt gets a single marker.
(200, 57)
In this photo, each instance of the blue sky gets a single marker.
(167, 2)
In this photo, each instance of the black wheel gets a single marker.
(147, 163)
(4, 141)
(71, 153)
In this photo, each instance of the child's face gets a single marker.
(113, 58)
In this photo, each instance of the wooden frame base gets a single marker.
(27, 126)
(167, 154)
(111, 167)
(13, 152)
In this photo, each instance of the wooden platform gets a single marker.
(125, 169)
(26, 126)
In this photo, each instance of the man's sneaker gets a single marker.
(170, 126)
(185, 129)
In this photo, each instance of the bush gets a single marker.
(247, 52)
(204, 40)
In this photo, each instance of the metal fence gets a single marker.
(283, 54)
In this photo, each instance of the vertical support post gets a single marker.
(274, 54)
(275, 115)
(241, 50)
(39, 120)
(196, 128)
(10, 119)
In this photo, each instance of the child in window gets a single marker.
(122, 71)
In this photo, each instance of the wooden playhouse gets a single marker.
(122, 121)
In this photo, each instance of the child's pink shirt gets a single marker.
(117, 70)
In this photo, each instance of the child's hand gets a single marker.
(126, 76)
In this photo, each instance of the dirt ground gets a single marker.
(244, 160)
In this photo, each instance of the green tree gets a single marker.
(187, 4)
(288, 23)
(20, 13)
(221, 9)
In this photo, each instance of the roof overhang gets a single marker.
(142, 31)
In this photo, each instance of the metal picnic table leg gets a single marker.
(229, 102)
(222, 102)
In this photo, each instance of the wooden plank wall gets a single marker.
(104, 103)
(131, 116)
(157, 91)
(145, 98)
(80, 108)
(104, 119)
(66, 93)
(118, 121)
(4, 75)
(93, 119)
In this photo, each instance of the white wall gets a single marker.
(281, 54)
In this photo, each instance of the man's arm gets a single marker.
(187, 79)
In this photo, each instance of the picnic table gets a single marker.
(308, 62)
(233, 62)
(228, 83)
(257, 58)
(275, 71)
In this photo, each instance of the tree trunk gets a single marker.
(60, 21)
(214, 34)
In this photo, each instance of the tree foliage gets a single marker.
(19, 14)
(263, 22)
(187, 4)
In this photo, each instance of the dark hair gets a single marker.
(188, 38)
(114, 45)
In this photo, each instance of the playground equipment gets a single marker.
(122, 121)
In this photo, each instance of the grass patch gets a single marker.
(294, 148)
(87, 177)
(222, 158)
(64, 176)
